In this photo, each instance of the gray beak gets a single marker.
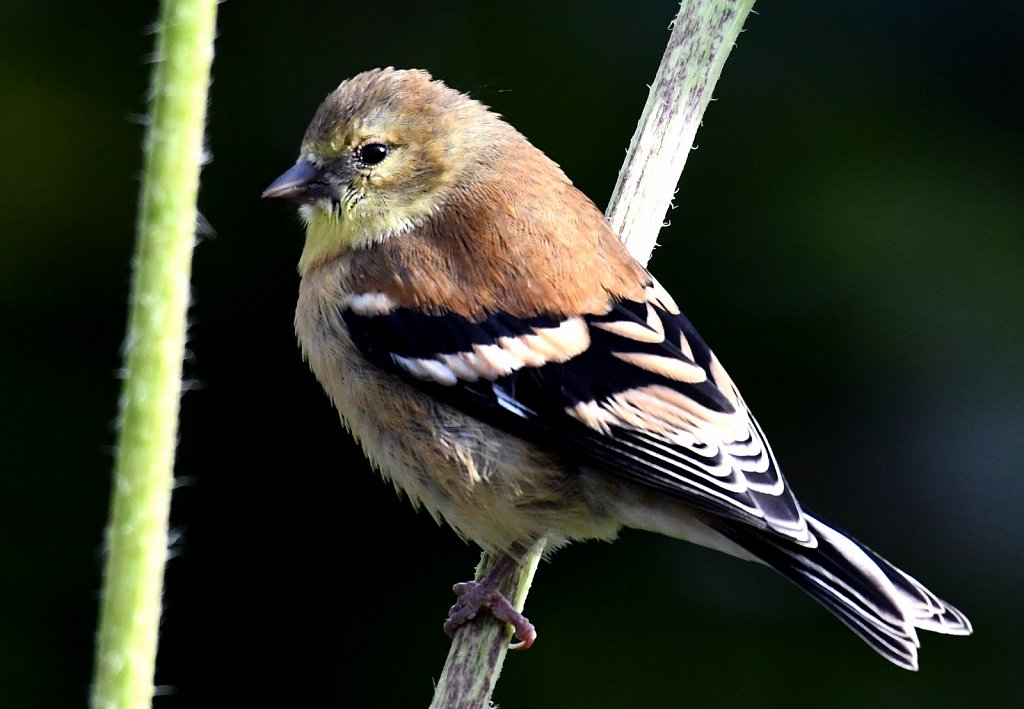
(302, 182)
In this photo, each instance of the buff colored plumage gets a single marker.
(507, 365)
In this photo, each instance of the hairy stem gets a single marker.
(703, 34)
(478, 650)
(136, 534)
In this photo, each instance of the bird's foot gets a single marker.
(474, 595)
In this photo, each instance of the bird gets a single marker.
(505, 362)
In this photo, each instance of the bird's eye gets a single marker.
(373, 153)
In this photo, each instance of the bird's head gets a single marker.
(385, 151)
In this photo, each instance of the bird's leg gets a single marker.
(486, 593)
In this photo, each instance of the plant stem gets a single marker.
(136, 534)
(702, 36)
(478, 651)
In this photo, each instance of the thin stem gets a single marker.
(702, 36)
(478, 651)
(136, 535)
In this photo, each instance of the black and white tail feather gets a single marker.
(879, 602)
(636, 392)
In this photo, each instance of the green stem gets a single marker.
(478, 652)
(702, 36)
(136, 535)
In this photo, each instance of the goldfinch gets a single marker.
(506, 363)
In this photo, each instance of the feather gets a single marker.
(613, 390)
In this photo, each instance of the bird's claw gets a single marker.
(473, 596)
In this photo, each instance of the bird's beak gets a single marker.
(302, 182)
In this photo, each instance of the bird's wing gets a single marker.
(634, 390)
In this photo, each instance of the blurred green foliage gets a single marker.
(849, 236)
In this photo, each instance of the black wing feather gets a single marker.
(534, 402)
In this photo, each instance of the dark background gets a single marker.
(849, 236)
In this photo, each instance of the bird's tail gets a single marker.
(879, 602)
